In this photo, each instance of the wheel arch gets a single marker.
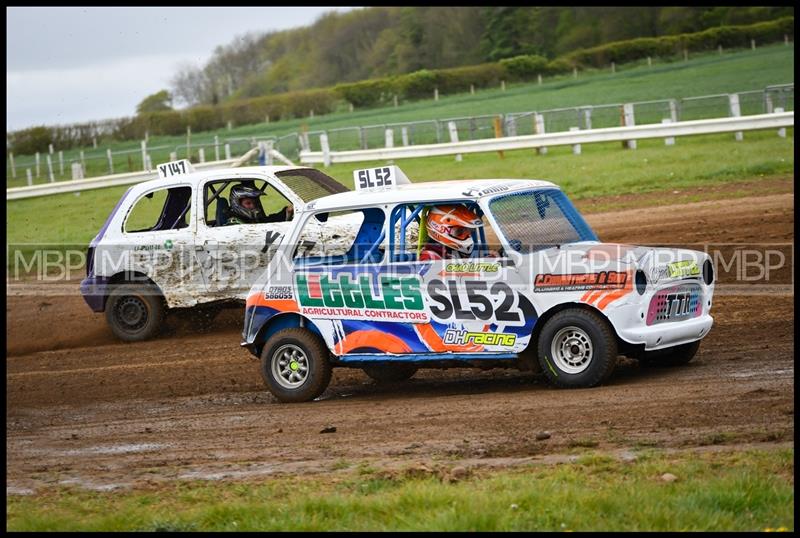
(548, 314)
(130, 277)
(278, 322)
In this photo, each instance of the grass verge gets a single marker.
(734, 491)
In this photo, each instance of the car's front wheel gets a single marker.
(135, 311)
(577, 348)
(295, 365)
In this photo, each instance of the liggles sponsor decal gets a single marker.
(682, 269)
(398, 298)
(604, 280)
(462, 337)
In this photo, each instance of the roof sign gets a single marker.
(174, 168)
(385, 176)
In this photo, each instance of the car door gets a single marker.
(232, 256)
(159, 237)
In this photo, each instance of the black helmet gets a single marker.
(237, 193)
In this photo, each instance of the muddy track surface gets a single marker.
(84, 409)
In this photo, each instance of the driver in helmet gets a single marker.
(245, 209)
(449, 230)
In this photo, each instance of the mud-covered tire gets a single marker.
(671, 356)
(390, 372)
(295, 365)
(577, 348)
(135, 312)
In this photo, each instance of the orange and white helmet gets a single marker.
(452, 225)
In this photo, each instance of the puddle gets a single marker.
(115, 449)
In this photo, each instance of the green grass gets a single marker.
(702, 75)
(602, 169)
(744, 491)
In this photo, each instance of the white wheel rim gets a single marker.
(290, 366)
(572, 350)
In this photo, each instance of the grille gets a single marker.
(677, 303)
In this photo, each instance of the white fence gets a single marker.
(60, 187)
(776, 120)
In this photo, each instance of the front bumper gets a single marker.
(95, 291)
(668, 334)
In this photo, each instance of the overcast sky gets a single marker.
(76, 64)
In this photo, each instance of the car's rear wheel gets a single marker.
(135, 312)
(295, 365)
(577, 348)
(390, 373)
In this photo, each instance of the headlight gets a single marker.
(641, 282)
(708, 273)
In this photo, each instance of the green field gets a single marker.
(702, 75)
(602, 169)
(746, 491)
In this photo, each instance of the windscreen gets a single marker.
(538, 219)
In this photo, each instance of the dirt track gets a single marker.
(84, 409)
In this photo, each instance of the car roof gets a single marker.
(453, 190)
(200, 175)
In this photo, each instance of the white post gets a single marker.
(351, 107)
(649, 62)
(673, 110)
(574, 72)
(216, 148)
(266, 118)
(13, 167)
(613, 67)
(669, 141)
(326, 150)
(389, 137)
(472, 89)
(173, 156)
(94, 142)
(511, 126)
(587, 118)
(539, 78)
(227, 151)
(149, 163)
(311, 114)
(202, 154)
(50, 147)
(77, 171)
(719, 49)
(769, 105)
(230, 125)
(147, 136)
(38, 167)
(576, 148)
(630, 121)
(451, 125)
(144, 154)
(110, 161)
(539, 122)
(736, 110)
(362, 140)
(268, 148)
(436, 94)
(30, 176)
(61, 163)
(786, 39)
(50, 167)
(782, 130)
(753, 44)
(503, 85)
(404, 135)
(83, 162)
(395, 100)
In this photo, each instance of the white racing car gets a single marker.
(537, 289)
(173, 242)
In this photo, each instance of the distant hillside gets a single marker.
(379, 41)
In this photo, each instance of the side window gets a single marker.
(164, 209)
(342, 237)
(269, 203)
